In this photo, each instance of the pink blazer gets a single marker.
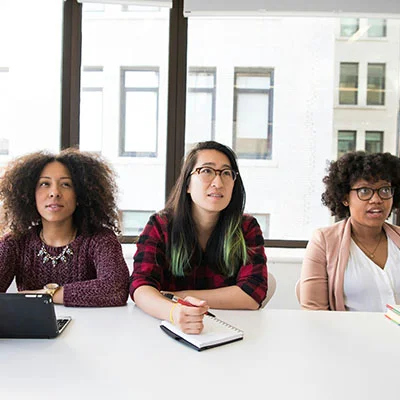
(324, 264)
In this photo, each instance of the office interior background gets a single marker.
(141, 81)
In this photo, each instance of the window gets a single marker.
(91, 113)
(252, 115)
(139, 112)
(30, 85)
(373, 141)
(346, 142)
(133, 221)
(200, 105)
(348, 87)
(376, 84)
(376, 27)
(4, 120)
(126, 54)
(349, 26)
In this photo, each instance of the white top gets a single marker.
(367, 287)
(121, 353)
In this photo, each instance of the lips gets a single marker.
(375, 211)
(215, 195)
(53, 207)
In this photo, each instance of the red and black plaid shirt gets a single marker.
(152, 266)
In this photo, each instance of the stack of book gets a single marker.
(393, 313)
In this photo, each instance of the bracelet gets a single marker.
(171, 311)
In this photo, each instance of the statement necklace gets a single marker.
(370, 254)
(67, 251)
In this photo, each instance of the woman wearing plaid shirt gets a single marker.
(201, 247)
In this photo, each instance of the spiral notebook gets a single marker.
(215, 333)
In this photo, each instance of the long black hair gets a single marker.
(226, 248)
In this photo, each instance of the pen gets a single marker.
(183, 302)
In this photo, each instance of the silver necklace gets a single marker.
(67, 251)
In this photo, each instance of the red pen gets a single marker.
(183, 302)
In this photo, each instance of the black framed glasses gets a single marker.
(208, 174)
(366, 193)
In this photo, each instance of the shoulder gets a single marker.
(332, 232)
(103, 235)
(393, 232)
(248, 221)
(156, 227)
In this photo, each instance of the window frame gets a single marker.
(122, 109)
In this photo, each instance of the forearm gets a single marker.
(152, 302)
(229, 297)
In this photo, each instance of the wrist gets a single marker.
(172, 318)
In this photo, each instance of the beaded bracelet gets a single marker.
(171, 316)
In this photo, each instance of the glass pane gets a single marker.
(199, 115)
(376, 27)
(346, 142)
(141, 122)
(348, 83)
(252, 115)
(253, 82)
(376, 84)
(30, 76)
(132, 50)
(312, 71)
(373, 142)
(349, 26)
(133, 222)
(198, 80)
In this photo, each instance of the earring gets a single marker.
(346, 203)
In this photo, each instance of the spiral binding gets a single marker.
(226, 324)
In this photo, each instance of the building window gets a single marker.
(349, 26)
(200, 105)
(253, 111)
(373, 141)
(263, 220)
(346, 142)
(133, 221)
(4, 106)
(348, 87)
(91, 110)
(376, 27)
(376, 84)
(139, 112)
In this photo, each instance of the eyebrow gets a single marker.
(214, 165)
(48, 177)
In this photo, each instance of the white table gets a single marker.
(121, 353)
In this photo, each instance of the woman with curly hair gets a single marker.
(59, 224)
(354, 264)
(201, 247)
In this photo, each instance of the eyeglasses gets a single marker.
(366, 193)
(208, 174)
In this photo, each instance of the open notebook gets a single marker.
(215, 333)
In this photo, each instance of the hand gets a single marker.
(190, 319)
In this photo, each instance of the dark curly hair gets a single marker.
(94, 183)
(353, 166)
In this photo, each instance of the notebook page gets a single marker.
(215, 332)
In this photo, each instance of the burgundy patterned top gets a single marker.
(96, 275)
